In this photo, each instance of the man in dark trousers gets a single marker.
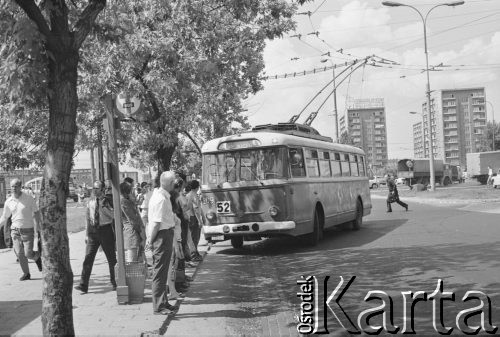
(393, 194)
(99, 218)
(162, 221)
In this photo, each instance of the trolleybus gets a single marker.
(283, 179)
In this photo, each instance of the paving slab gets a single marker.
(94, 313)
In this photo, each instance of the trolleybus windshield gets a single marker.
(245, 165)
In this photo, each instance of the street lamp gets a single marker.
(428, 91)
(493, 120)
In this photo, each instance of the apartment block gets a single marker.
(458, 120)
(418, 140)
(366, 124)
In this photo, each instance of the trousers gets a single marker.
(23, 241)
(161, 248)
(105, 238)
(395, 199)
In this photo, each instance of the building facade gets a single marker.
(458, 119)
(365, 122)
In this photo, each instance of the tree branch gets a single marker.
(34, 13)
(85, 21)
(193, 141)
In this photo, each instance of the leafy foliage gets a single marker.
(191, 61)
(345, 138)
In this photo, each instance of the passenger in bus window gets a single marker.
(230, 169)
(296, 163)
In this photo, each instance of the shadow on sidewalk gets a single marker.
(14, 315)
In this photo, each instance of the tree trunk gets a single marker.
(57, 312)
(164, 155)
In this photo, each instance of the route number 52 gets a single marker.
(223, 206)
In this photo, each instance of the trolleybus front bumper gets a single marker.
(249, 228)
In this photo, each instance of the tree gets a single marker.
(192, 62)
(486, 139)
(39, 57)
(345, 138)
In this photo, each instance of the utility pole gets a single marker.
(335, 112)
(113, 174)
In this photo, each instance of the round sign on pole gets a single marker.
(409, 163)
(127, 104)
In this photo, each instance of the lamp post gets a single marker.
(493, 121)
(428, 89)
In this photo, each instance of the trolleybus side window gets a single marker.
(336, 170)
(262, 164)
(353, 159)
(345, 165)
(296, 160)
(324, 164)
(312, 163)
(361, 165)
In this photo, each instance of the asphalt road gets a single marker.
(253, 291)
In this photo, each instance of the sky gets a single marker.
(464, 39)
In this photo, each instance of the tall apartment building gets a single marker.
(366, 124)
(458, 120)
(418, 142)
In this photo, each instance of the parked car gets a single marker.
(376, 181)
(400, 181)
(495, 180)
(373, 183)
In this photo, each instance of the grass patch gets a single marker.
(76, 217)
(458, 192)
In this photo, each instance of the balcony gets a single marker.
(452, 133)
(450, 126)
(450, 119)
(449, 104)
(449, 111)
(448, 97)
(477, 102)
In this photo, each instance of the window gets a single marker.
(296, 160)
(353, 161)
(345, 166)
(361, 166)
(324, 165)
(312, 163)
(335, 164)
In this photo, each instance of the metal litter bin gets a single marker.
(135, 276)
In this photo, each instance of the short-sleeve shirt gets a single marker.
(490, 172)
(22, 210)
(160, 209)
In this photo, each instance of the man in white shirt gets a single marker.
(25, 219)
(160, 238)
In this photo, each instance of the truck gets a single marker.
(417, 171)
(478, 162)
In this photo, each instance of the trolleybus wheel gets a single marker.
(356, 223)
(315, 237)
(237, 242)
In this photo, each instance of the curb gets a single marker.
(163, 329)
(442, 201)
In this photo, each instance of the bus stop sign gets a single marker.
(127, 104)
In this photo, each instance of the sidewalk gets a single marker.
(94, 313)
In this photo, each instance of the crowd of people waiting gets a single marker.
(163, 216)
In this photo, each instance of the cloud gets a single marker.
(361, 29)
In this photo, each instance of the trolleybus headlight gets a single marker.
(273, 210)
(226, 229)
(210, 216)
